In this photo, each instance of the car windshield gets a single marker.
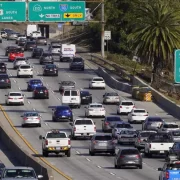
(139, 111)
(67, 83)
(41, 88)
(19, 173)
(114, 118)
(15, 94)
(83, 122)
(56, 47)
(25, 67)
(123, 126)
(96, 106)
(77, 60)
(176, 133)
(103, 138)
(160, 138)
(31, 114)
(112, 94)
(62, 108)
(146, 134)
(16, 50)
(56, 135)
(38, 49)
(127, 103)
(84, 93)
(170, 126)
(129, 152)
(98, 79)
(46, 54)
(176, 146)
(22, 39)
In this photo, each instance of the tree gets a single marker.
(156, 33)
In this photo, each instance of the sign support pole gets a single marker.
(102, 28)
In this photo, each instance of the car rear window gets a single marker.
(50, 66)
(129, 152)
(83, 122)
(31, 114)
(77, 60)
(123, 126)
(67, 93)
(98, 79)
(15, 94)
(67, 83)
(41, 38)
(74, 93)
(56, 47)
(96, 106)
(155, 119)
(85, 93)
(173, 166)
(139, 111)
(160, 138)
(129, 132)
(25, 67)
(4, 77)
(176, 133)
(41, 88)
(31, 42)
(38, 50)
(36, 82)
(146, 134)
(112, 94)
(62, 108)
(56, 135)
(115, 118)
(103, 138)
(127, 103)
(170, 126)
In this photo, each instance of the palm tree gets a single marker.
(156, 33)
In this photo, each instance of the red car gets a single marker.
(14, 54)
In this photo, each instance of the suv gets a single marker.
(71, 97)
(54, 48)
(76, 63)
(3, 68)
(5, 82)
(46, 58)
(19, 61)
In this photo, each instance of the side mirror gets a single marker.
(159, 169)
(21, 116)
(39, 176)
(69, 136)
(94, 122)
(40, 137)
(71, 124)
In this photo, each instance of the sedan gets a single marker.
(86, 97)
(137, 116)
(14, 98)
(46, 58)
(102, 143)
(111, 98)
(50, 70)
(5, 81)
(19, 61)
(30, 45)
(125, 107)
(3, 68)
(41, 92)
(25, 71)
(41, 40)
(37, 52)
(97, 82)
(33, 83)
(168, 126)
(128, 157)
(95, 109)
(22, 42)
(62, 113)
(31, 118)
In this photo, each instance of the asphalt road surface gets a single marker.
(80, 166)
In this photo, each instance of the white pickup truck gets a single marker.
(83, 128)
(56, 141)
(158, 143)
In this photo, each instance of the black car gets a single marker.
(21, 42)
(41, 93)
(76, 63)
(9, 49)
(50, 69)
(46, 58)
(5, 81)
(30, 45)
(37, 52)
(41, 40)
(86, 97)
(3, 68)
(174, 152)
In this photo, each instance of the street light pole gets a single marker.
(102, 28)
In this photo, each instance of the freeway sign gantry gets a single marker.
(12, 11)
(56, 11)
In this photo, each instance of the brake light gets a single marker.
(46, 142)
(146, 115)
(133, 106)
(21, 98)
(46, 91)
(38, 119)
(74, 128)
(120, 106)
(25, 118)
(70, 110)
(35, 91)
(139, 140)
(138, 156)
(102, 109)
(122, 156)
(112, 142)
(10, 98)
(106, 123)
(149, 145)
(69, 142)
(8, 81)
(94, 128)
(167, 175)
(94, 142)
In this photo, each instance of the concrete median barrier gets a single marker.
(24, 158)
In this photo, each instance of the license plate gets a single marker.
(51, 70)
(127, 108)
(83, 98)
(15, 98)
(102, 144)
(161, 151)
(41, 92)
(63, 116)
(57, 148)
(130, 162)
(73, 98)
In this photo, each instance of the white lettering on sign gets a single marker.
(11, 12)
(1, 12)
(49, 7)
(52, 15)
(7, 18)
(1, 5)
(75, 7)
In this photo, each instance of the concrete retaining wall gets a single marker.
(23, 156)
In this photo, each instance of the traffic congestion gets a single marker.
(79, 123)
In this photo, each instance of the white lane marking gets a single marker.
(14, 80)
(99, 167)
(77, 152)
(41, 77)
(46, 124)
(59, 99)
(58, 64)
(156, 114)
(112, 173)
(10, 74)
(19, 88)
(69, 76)
(52, 91)
(29, 102)
(88, 159)
(34, 109)
(47, 84)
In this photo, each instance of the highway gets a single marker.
(80, 166)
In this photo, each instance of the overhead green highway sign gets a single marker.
(56, 11)
(177, 66)
(12, 11)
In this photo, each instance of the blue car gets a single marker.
(62, 113)
(33, 83)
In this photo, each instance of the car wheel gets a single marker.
(45, 153)
(113, 153)
(39, 125)
(71, 119)
(31, 76)
(47, 97)
(79, 106)
(28, 90)
(140, 166)
(82, 69)
(91, 153)
(68, 153)
(9, 87)
(118, 113)
(56, 74)
(23, 125)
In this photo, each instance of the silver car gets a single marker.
(111, 98)
(175, 135)
(23, 173)
(102, 143)
(31, 118)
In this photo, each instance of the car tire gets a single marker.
(56, 74)
(45, 154)
(39, 125)
(82, 69)
(9, 87)
(53, 119)
(71, 119)
(115, 166)
(23, 125)
(140, 166)
(91, 153)
(79, 106)
(68, 153)
(113, 153)
(31, 76)
(47, 97)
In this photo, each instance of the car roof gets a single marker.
(154, 117)
(128, 148)
(15, 92)
(139, 109)
(80, 119)
(19, 167)
(124, 100)
(34, 80)
(95, 103)
(97, 77)
(122, 122)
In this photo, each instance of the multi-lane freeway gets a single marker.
(80, 166)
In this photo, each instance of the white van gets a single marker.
(67, 52)
(30, 29)
(71, 97)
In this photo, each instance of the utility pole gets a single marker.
(102, 28)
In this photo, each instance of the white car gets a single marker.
(125, 106)
(137, 115)
(31, 118)
(25, 70)
(14, 98)
(97, 82)
(95, 109)
(19, 61)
